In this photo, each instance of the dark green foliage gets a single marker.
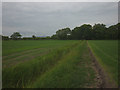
(113, 31)
(33, 36)
(54, 37)
(63, 34)
(36, 38)
(87, 32)
(16, 35)
(5, 38)
(27, 38)
(98, 31)
(83, 32)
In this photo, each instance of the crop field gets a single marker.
(106, 53)
(58, 63)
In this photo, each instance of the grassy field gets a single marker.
(106, 52)
(15, 52)
(56, 63)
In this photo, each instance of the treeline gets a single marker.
(88, 32)
(83, 32)
(18, 36)
(26, 38)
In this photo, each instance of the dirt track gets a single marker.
(102, 77)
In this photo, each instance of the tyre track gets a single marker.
(102, 77)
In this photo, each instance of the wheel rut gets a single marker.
(101, 76)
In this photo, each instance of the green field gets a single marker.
(56, 63)
(106, 53)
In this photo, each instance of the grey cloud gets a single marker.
(45, 18)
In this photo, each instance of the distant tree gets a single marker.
(98, 31)
(16, 35)
(48, 37)
(88, 32)
(63, 33)
(5, 38)
(33, 36)
(54, 37)
(113, 31)
(82, 32)
(27, 38)
(69, 36)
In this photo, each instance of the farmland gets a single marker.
(58, 63)
(106, 53)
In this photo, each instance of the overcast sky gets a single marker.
(43, 19)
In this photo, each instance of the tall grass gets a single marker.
(23, 74)
(73, 71)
